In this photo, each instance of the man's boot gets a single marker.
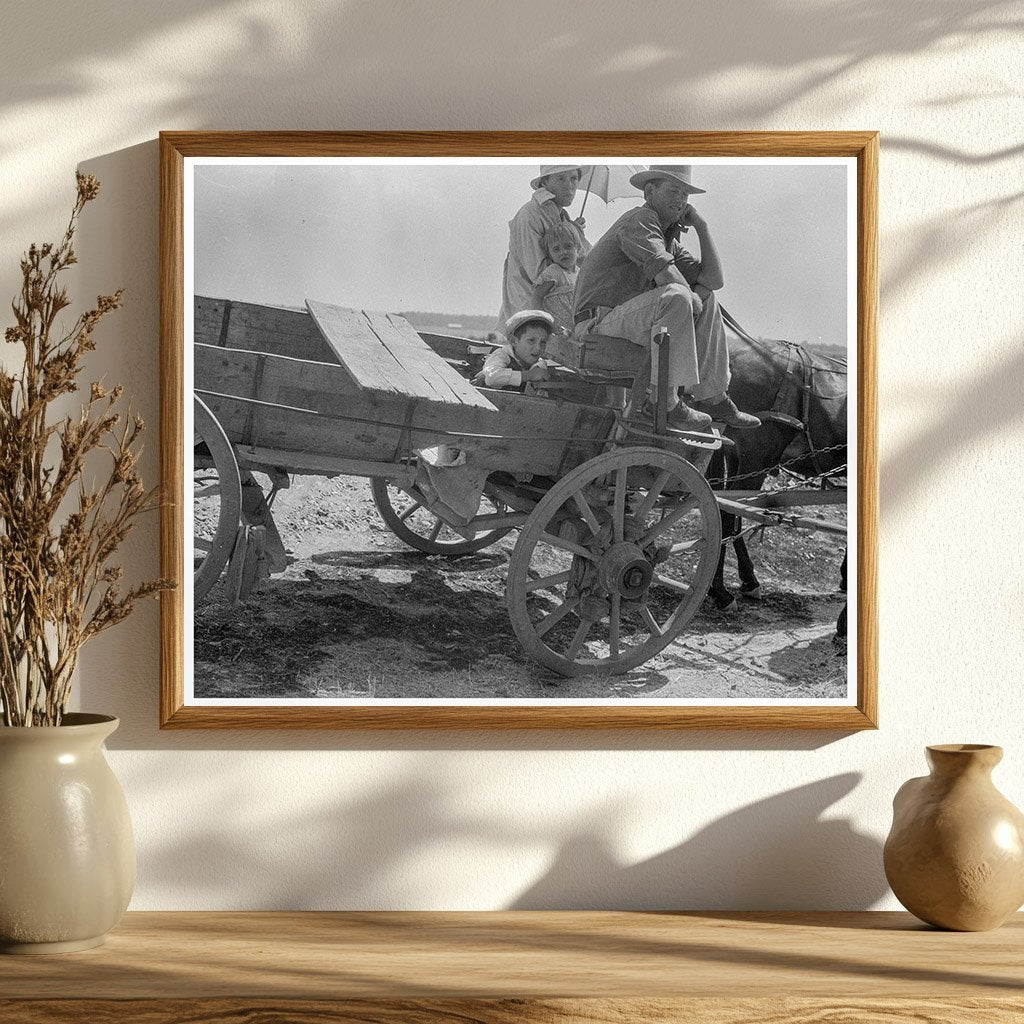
(640, 409)
(683, 417)
(723, 409)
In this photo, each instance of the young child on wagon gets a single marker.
(557, 281)
(520, 360)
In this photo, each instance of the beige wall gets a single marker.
(633, 820)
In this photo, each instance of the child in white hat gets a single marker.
(520, 360)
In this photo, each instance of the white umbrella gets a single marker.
(610, 182)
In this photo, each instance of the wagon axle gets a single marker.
(624, 570)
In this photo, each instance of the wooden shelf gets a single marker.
(500, 968)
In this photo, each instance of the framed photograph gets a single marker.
(519, 430)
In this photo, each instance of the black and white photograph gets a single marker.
(520, 431)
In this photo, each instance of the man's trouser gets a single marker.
(698, 353)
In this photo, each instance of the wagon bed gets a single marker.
(619, 533)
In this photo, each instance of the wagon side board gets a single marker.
(230, 324)
(267, 401)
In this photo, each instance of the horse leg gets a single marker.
(750, 586)
(841, 621)
(725, 600)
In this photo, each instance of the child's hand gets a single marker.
(581, 223)
(536, 372)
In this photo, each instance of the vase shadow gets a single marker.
(800, 860)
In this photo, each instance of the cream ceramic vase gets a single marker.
(67, 855)
(955, 855)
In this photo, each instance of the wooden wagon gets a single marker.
(619, 533)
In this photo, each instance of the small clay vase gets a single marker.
(955, 854)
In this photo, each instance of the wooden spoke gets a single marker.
(409, 511)
(651, 621)
(667, 581)
(619, 510)
(423, 531)
(549, 581)
(587, 495)
(667, 522)
(587, 512)
(577, 640)
(206, 492)
(567, 545)
(550, 621)
(614, 622)
(652, 496)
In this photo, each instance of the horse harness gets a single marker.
(798, 376)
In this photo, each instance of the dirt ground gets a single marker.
(359, 614)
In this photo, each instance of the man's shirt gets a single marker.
(625, 261)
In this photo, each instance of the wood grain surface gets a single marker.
(525, 966)
(514, 1011)
(175, 147)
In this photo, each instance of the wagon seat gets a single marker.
(601, 360)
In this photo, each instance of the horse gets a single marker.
(801, 399)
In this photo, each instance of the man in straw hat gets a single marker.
(638, 279)
(553, 191)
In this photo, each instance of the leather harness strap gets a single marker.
(799, 378)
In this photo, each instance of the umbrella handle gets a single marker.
(584, 206)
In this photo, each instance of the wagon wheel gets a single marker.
(216, 499)
(613, 562)
(411, 521)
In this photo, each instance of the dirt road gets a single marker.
(359, 614)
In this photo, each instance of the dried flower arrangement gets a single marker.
(58, 533)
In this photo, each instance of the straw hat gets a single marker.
(553, 169)
(680, 172)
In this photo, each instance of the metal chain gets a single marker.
(767, 470)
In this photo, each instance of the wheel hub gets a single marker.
(624, 570)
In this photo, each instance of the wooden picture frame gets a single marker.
(179, 150)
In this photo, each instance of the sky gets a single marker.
(433, 236)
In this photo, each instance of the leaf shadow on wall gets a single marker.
(416, 841)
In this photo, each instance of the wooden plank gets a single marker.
(721, 1010)
(453, 347)
(532, 438)
(416, 354)
(596, 963)
(796, 498)
(583, 144)
(359, 351)
(258, 328)
(207, 319)
(306, 464)
(773, 518)
(406, 365)
(314, 408)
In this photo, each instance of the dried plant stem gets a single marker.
(58, 588)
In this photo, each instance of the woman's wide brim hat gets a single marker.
(527, 316)
(553, 169)
(680, 172)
